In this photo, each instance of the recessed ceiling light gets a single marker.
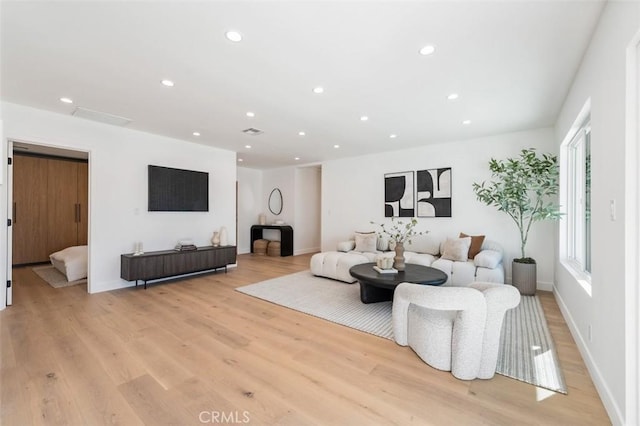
(251, 114)
(452, 96)
(233, 36)
(196, 133)
(301, 133)
(297, 158)
(427, 50)
(240, 160)
(393, 136)
(167, 83)
(364, 118)
(248, 146)
(66, 100)
(466, 122)
(336, 146)
(318, 89)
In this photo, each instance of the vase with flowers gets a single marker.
(399, 232)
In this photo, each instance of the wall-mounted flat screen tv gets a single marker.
(177, 190)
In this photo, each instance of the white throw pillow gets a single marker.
(366, 242)
(456, 249)
(488, 259)
(346, 246)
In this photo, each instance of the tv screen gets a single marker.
(177, 190)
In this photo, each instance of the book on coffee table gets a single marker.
(385, 271)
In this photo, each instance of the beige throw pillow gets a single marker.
(366, 243)
(456, 249)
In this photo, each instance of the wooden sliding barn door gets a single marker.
(29, 210)
(50, 198)
(62, 200)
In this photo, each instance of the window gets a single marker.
(577, 197)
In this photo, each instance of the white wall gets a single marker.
(300, 188)
(118, 186)
(601, 77)
(250, 205)
(307, 213)
(353, 194)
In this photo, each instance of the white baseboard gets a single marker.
(540, 285)
(613, 410)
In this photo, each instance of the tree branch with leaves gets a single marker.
(523, 188)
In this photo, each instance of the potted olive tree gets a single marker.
(523, 188)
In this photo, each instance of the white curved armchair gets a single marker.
(443, 325)
(499, 298)
(453, 329)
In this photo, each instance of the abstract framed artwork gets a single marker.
(433, 192)
(398, 195)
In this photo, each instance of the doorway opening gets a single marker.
(48, 205)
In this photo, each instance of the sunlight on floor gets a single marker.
(540, 361)
(542, 394)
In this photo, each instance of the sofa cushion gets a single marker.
(488, 259)
(424, 259)
(424, 244)
(366, 242)
(456, 249)
(346, 246)
(476, 244)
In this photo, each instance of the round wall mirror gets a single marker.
(275, 201)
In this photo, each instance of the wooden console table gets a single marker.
(168, 263)
(286, 237)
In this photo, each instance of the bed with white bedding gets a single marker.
(72, 262)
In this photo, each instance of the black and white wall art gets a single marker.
(398, 195)
(434, 192)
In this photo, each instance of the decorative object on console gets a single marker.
(262, 219)
(433, 192)
(224, 237)
(215, 240)
(523, 188)
(184, 245)
(137, 248)
(398, 195)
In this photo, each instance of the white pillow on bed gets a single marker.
(72, 262)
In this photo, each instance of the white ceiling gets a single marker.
(511, 62)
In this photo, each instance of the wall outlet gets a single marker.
(612, 210)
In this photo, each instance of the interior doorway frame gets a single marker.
(10, 153)
(632, 240)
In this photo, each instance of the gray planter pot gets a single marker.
(524, 277)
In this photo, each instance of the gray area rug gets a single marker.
(54, 277)
(527, 352)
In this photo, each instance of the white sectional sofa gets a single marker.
(425, 250)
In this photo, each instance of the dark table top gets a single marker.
(416, 274)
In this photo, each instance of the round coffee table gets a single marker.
(377, 287)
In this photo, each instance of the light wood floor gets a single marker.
(196, 351)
